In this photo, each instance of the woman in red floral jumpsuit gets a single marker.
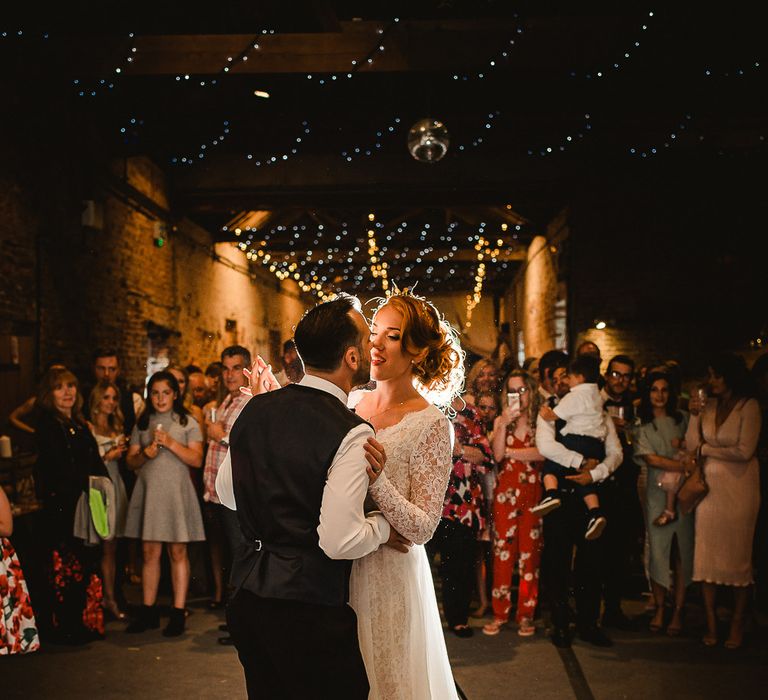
(517, 532)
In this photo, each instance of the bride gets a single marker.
(414, 354)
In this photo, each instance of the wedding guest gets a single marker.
(563, 528)
(18, 629)
(488, 408)
(293, 368)
(531, 365)
(587, 347)
(216, 391)
(107, 427)
(106, 367)
(221, 522)
(619, 496)
(517, 531)
(24, 417)
(198, 389)
(67, 456)
(164, 507)
(759, 374)
(657, 446)
(725, 430)
(484, 376)
(186, 397)
(463, 518)
(550, 363)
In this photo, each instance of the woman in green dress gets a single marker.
(658, 442)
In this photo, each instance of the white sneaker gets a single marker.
(546, 505)
(595, 527)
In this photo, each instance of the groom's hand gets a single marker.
(397, 541)
(377, 458)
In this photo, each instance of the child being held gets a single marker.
(584, 432)
(670, 482)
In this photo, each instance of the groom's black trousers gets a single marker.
(292, 650)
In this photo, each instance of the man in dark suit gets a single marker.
(297, 476)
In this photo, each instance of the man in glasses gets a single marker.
(618, 494)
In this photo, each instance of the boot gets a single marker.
(175, 623)
(147, 618)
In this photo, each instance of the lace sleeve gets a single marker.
(430, 466)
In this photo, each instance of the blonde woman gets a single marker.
(483, 376)
(107, 427)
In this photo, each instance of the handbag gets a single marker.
(95, 512)
(694, 488)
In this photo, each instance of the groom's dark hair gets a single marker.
(326, 331)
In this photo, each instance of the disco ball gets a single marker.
(428, 140)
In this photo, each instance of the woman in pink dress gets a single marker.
(724, 430)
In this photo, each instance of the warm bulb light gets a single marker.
(600, 325)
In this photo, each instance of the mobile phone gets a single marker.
(513, 401)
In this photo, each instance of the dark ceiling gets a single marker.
(541, 101)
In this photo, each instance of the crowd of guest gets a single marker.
(565, 481)
(121, 478)
(622, 453)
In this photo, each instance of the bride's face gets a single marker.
(389, 360)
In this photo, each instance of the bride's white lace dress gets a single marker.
(401, 635)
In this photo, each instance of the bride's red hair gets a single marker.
(439, 367)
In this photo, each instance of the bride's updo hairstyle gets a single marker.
(439, 374)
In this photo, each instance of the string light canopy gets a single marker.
(324, 251)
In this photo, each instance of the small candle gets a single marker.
(5, 446)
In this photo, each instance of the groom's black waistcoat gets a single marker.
(281, 447)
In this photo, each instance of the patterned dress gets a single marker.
(517, 533)
(18, 629)
(464, 499)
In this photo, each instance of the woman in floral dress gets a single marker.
(517, 530)
(18, 629)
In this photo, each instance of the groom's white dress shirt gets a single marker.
(345, 531)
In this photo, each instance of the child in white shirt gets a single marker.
(584, 431)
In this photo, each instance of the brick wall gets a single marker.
(17, 256)
(102, 287)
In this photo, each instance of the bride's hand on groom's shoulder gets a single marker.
(377, 458)
(260, 377)
(397, 541)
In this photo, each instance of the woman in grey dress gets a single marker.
(658, 441)
(164, 507)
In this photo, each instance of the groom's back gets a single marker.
(281, 448)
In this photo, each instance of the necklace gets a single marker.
(389, 408)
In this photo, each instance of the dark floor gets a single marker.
(640, 665)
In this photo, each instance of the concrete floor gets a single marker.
(640, 665)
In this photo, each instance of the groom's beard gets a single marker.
(363, 374)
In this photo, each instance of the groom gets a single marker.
(298, 478)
